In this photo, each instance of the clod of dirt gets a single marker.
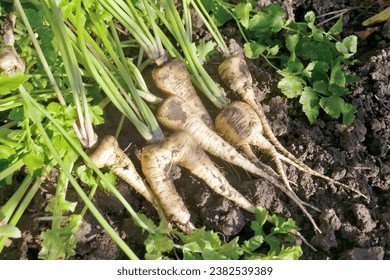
(94, 243)
(386, 30)
(385, 220)
(329, 224)
(265, 195)
(374, 253)
(352, 234)
(224, 217)
(329, 220)
(363, 216)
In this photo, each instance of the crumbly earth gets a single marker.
(357, 154)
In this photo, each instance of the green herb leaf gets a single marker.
(60, 243)
(205, 50)
(337, 27)
(242, 11)
(228, 251)
(291, 43)
(219, 13)
(10, 82)
(291, 85)
(261, 215)
(289, 253)
(147, 221)
(111, 177)
(351, 43)
(254, 50)
(271, 18)
(86, 175)
(341, 48)
(348, 111)
(310, 17)
(158, 243)
(314, 50)
(59, 202)
(310, 104)
(337, 75)
(35, 160)
(253, 243)
(10, 231)
(332, 105)
(321, 87)
(337, 90)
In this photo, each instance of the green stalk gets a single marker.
(187, 19)
(210, 25)
(121, 63)
(104, 79)
(119, 127)
(200, 77)
(132, 12)
(8, 209)
(156, 33)
(74, 76)
(16, 100)
(11, 169)
(134, 23)
(102, 69)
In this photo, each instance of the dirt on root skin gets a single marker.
(358, 154)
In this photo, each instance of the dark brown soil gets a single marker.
(357, 154)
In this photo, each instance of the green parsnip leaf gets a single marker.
(218, 11)
(205, 49)
(332, 105)
(291, 86)
(337, 27)
(291, 43)
(10, 231)
(254, 50)
(60, 243)
(310, 104)
(271, 18)
(242, 11)
(349, 112)
(10, 82)
(157, 243)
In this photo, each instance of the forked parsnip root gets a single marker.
(235, 73)
(173, 79)
(176, 115)
(10, 61)
(180, 149)
(240, 126)
(109, 154)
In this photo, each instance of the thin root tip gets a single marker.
(352, 189)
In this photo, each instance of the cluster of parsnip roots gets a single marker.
(239, 126)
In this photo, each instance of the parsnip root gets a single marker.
(173, 79)
(240, 126)
(235, 73)
(109, 154)
(10, 61)
(180, 149)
